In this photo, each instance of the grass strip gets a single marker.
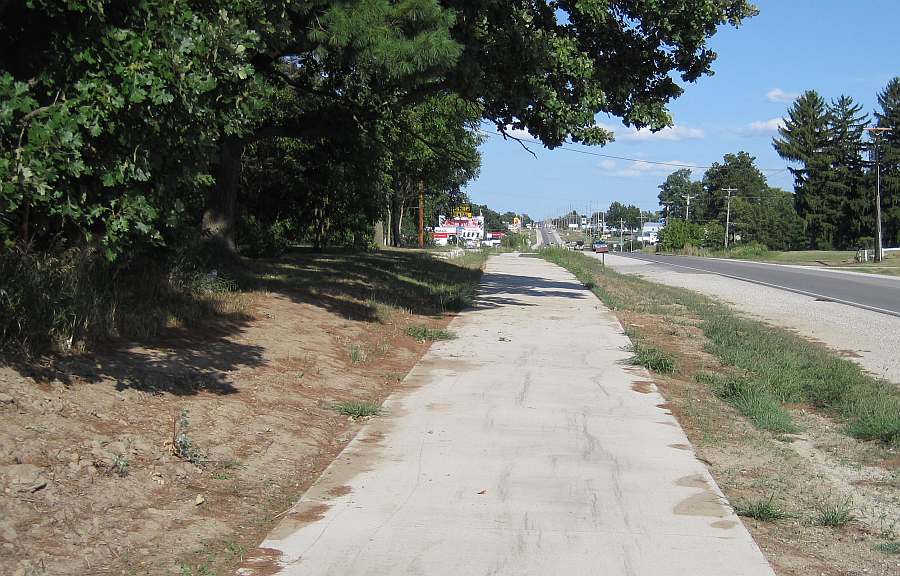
(768, 366)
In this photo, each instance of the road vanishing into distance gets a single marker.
(549, 236)
(876, 293)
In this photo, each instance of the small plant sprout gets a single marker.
(182, 445)
(119, 465)
(357, 354)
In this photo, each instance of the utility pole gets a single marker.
(687, 212)
(728, 213)
(421, 214)
(621, 234)
(877, 133)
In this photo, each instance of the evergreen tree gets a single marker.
(845, 196)
(804, 139)
(889, 117)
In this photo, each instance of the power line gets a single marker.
(613, 157)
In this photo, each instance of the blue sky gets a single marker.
(833, 46)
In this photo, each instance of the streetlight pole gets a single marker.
(728, 213)
(877, 133)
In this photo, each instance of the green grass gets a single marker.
(652, 358)
(767, 366)
(765, 510)
(357, 408)
(843, 259)
(752, 400)
(834, 513)
(424, 333)
(892, 547)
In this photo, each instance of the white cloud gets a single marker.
(763, 127)
(779, 95)
(669, 133)
(634, 168)
(608, 164)
(519, 133)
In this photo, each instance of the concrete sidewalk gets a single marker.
(523, 447)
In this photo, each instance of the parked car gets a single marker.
(579, 245)
(601, 247)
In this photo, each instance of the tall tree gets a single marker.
(845, 190)
(888, 116)
(673, 194)
(620, 214)
(804, 140)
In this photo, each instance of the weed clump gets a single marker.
(424, 333)
(357, 408)
(765, 510)
(835, 513)
(652, 358)
(357, 354)
(892, 547)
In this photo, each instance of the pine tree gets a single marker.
(889, 117)
(846, 199)
(805, 139)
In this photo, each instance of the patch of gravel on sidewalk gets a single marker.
(868, 338)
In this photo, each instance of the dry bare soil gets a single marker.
(175, 456)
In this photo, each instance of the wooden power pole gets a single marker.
(421, 214)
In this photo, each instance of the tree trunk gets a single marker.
(378, 233)
(219, 216)
(396, 215)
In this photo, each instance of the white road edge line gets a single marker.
(778, 286)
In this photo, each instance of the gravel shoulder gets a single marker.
(868, 338)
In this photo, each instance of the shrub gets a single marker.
(677, 234)
(65, 300)
(751, 251)
(713, 235)
(257, 239)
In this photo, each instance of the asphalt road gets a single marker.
(880, 294)
(549, 236)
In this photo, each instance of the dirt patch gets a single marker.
(90, 484)
(643, 386)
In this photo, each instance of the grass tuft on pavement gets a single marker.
(767, 366)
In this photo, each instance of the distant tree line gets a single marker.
(833, 204)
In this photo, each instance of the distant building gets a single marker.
(650, 232)
(459, 229)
